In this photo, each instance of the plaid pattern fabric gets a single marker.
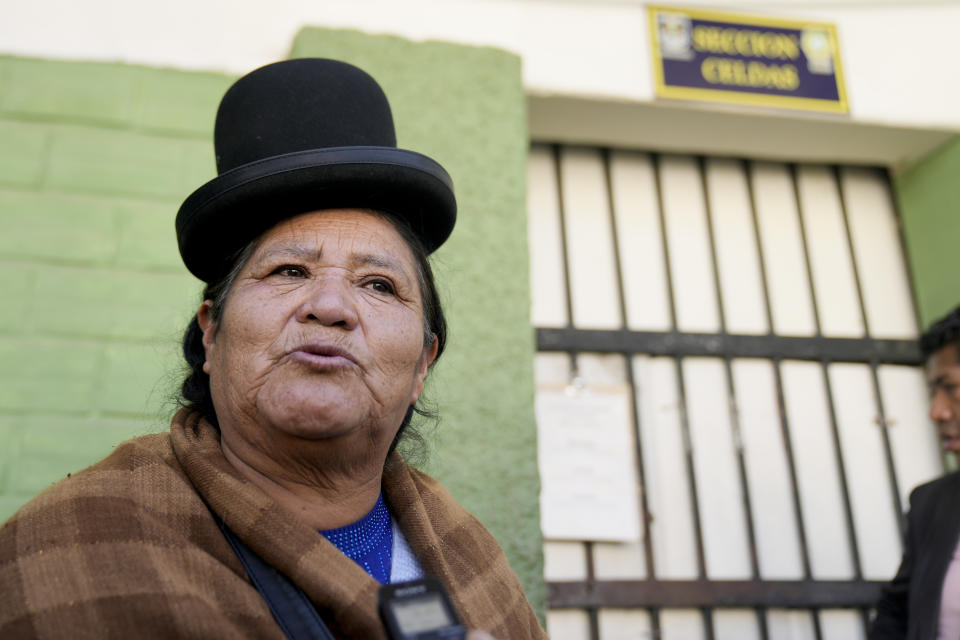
(128, 548)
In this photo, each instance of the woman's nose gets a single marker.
(331, 302)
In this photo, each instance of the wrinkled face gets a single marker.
(322, 334)
(943, 377)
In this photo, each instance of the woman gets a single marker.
(308, 355)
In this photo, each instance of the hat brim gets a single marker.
(224, 215)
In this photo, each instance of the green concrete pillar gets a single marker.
(928, 195)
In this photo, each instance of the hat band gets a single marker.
(259, 169)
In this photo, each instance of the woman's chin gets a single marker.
(313, 416)
(312, 424)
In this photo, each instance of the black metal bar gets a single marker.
(562, 214)
(676, 344)
(806, 250)
(834, 428)
(851, 250)
(865, 620)
(817, 627)
(792, 467)
(707, 612)
(778, 379)
(884, 425)
(631, 381)
(661, 217)
(818, 632)
(878, 397)
(763, 623)
(718, 302)
(592, 619)
(708, 214)
(842, 474)
(831, 594)
(736, 432)
(761, 255)
(572, 352)
(735, 427)
(614, 236)
(681, 391)
(655, 162)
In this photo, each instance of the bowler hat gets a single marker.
(302, 135)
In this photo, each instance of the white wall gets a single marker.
(896, 54)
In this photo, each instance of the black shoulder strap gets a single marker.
(291, 608)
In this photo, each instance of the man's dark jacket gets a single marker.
(909, 606)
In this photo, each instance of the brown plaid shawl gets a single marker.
(128, 548)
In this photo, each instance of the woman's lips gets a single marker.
(323, 355)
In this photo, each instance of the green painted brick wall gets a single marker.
(94, 162)
(928, 196)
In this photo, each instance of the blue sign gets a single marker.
(705, 55)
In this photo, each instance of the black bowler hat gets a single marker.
(302, 135)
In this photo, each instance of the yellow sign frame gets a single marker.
(732, 96)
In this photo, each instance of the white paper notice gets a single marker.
(587, 469)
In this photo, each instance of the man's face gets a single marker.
(943, 377)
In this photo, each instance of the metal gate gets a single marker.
(755, 322)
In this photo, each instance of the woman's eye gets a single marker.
(290, 271)
(380, 286)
